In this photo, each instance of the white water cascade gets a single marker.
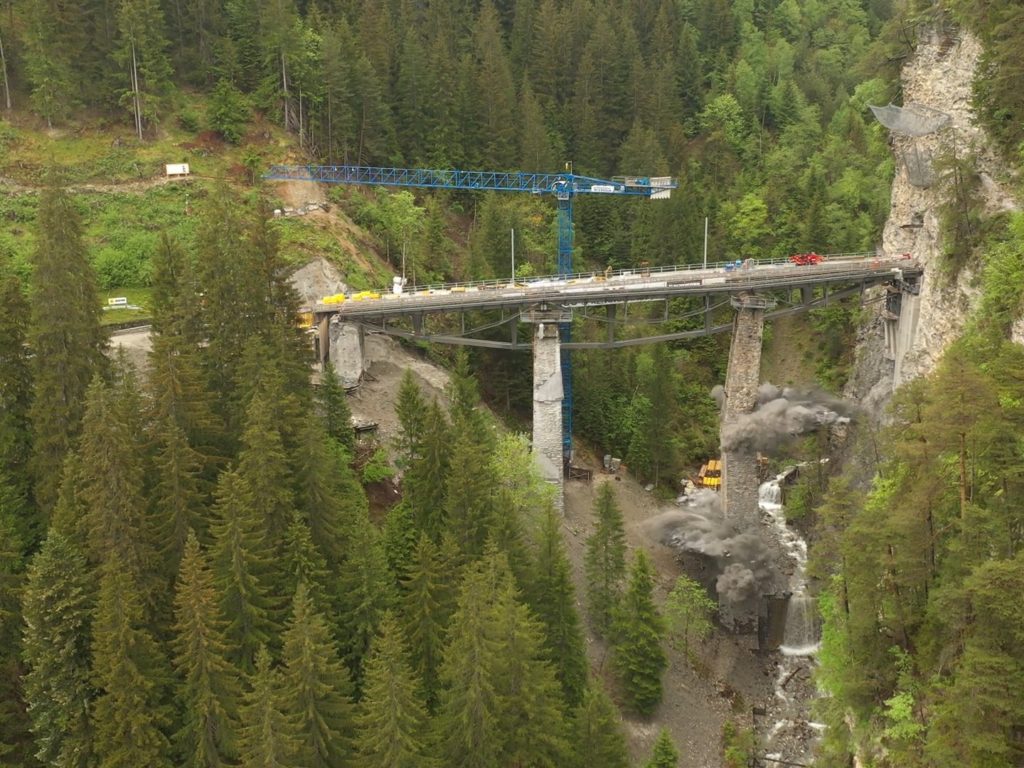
(791, 735)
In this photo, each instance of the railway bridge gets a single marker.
(755, 291)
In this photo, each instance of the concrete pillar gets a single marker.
(547, 398)
(346, 345)
(739, 468)
(323, 335)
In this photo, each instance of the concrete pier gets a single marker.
(739, 468)
(547, 397)
(346, 351)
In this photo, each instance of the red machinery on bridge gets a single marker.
(806, 259)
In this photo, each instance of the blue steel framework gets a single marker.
(564, 186)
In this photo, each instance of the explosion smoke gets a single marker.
(744, 560)
(782, 414)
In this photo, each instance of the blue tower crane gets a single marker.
(564, 186)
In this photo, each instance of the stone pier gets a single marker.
(547, 397)
(739, 468)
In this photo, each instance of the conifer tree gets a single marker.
(240, 560)
(143, 53)
(264, 472)
(427, 606)
(57, 610)
(531, 711)
(400, 537)
(317, 688)
(67, 346)
(665, 754)
(177, 500)
(637, 648)
(128, 670)
(597, 737)
(468, 501)
(15, 386)
(333, 407)
(112, 477)
(207, 689)
(554, 602)
(268, 735)
(467, 719)
(329, 494)
(393, 720)
(605, 560)
(411, 409)
(306, 563)
(426, 477)
(366, 589)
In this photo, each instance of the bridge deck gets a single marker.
(638, 285)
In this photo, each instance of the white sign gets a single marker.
(177, 169)
(120, 301)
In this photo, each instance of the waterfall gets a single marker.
(802, 633)
(792, 735)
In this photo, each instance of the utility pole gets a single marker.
(705, 242)
(513, 255)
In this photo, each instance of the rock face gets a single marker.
(937, 76)
(317, 279)
(347, 351)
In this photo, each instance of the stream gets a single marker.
(789, 734)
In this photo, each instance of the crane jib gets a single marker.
(559, 184)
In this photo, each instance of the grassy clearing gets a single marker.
(126, 205)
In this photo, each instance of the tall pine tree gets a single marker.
(67, 345)
(637, 650)
(605, 560)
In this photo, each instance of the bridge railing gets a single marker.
(552, 279)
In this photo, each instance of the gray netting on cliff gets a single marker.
(911, 119)
(918, 163)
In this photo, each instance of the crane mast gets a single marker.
(563, 186)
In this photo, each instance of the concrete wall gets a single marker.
(547, 404)
(346, 351)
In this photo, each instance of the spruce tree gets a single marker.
(268, 735)
(427, 606)
(317, 688)
(531, 711)
(264, 471)
(605, 560)
(57, 610)
(638, 656)
(426, 477)
(176, 496)
(333, 408)
(469, 494)
(665, 754)
(207, 689)
(467, 719)
(15, 388)
(393, 720)
(240, 561)
(553, 599)
(329, 493)
(67, 345)
(597, 737)
(366, 589)
(411, 409)
(306, 563)
(112, 477)
(129, 671)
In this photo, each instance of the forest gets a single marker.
(190, 573)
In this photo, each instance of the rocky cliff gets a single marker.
(937, 77)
